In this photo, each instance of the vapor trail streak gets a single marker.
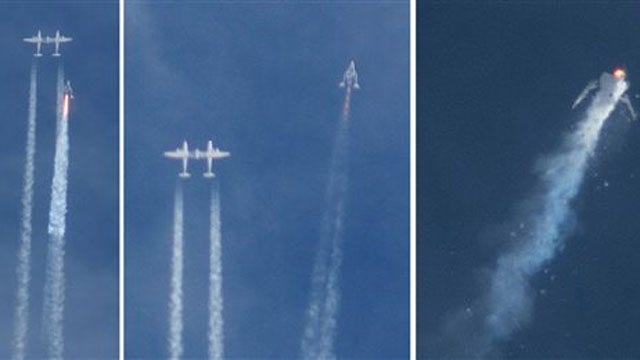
(346, 109)
(216, 334)
(24, 252)
(320, 330)
(175, 299)
(54, 285)
(509, 302)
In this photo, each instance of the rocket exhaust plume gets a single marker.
(54, 283)
(320, 330)
(65, 106)
(507, 304)
(175, 299)
(347, 104)
(24, 252)
(216, 334)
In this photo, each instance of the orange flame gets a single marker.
(65, 106)
(619, 73)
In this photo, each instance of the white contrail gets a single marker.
(54, 284)
(332, 300)
(508, 304)
(320, 330)
(24, 252)
(216, 334)
(175, 299)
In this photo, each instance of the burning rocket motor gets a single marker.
(66, 97)
(608, 83)
(350, 77)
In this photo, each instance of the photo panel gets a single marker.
(528, 180)
(267, 176)
(59, 164)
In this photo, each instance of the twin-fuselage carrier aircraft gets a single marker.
(57, 40)
(210, 154)
(39, 40)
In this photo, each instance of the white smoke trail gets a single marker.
(175, 299)
(54, 283)
(216, 335)
(320, 330)
(24, 253)
(332, 300)
(508, 304)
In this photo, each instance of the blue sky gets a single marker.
(496, 82)
(91, 63)
(260, 79)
